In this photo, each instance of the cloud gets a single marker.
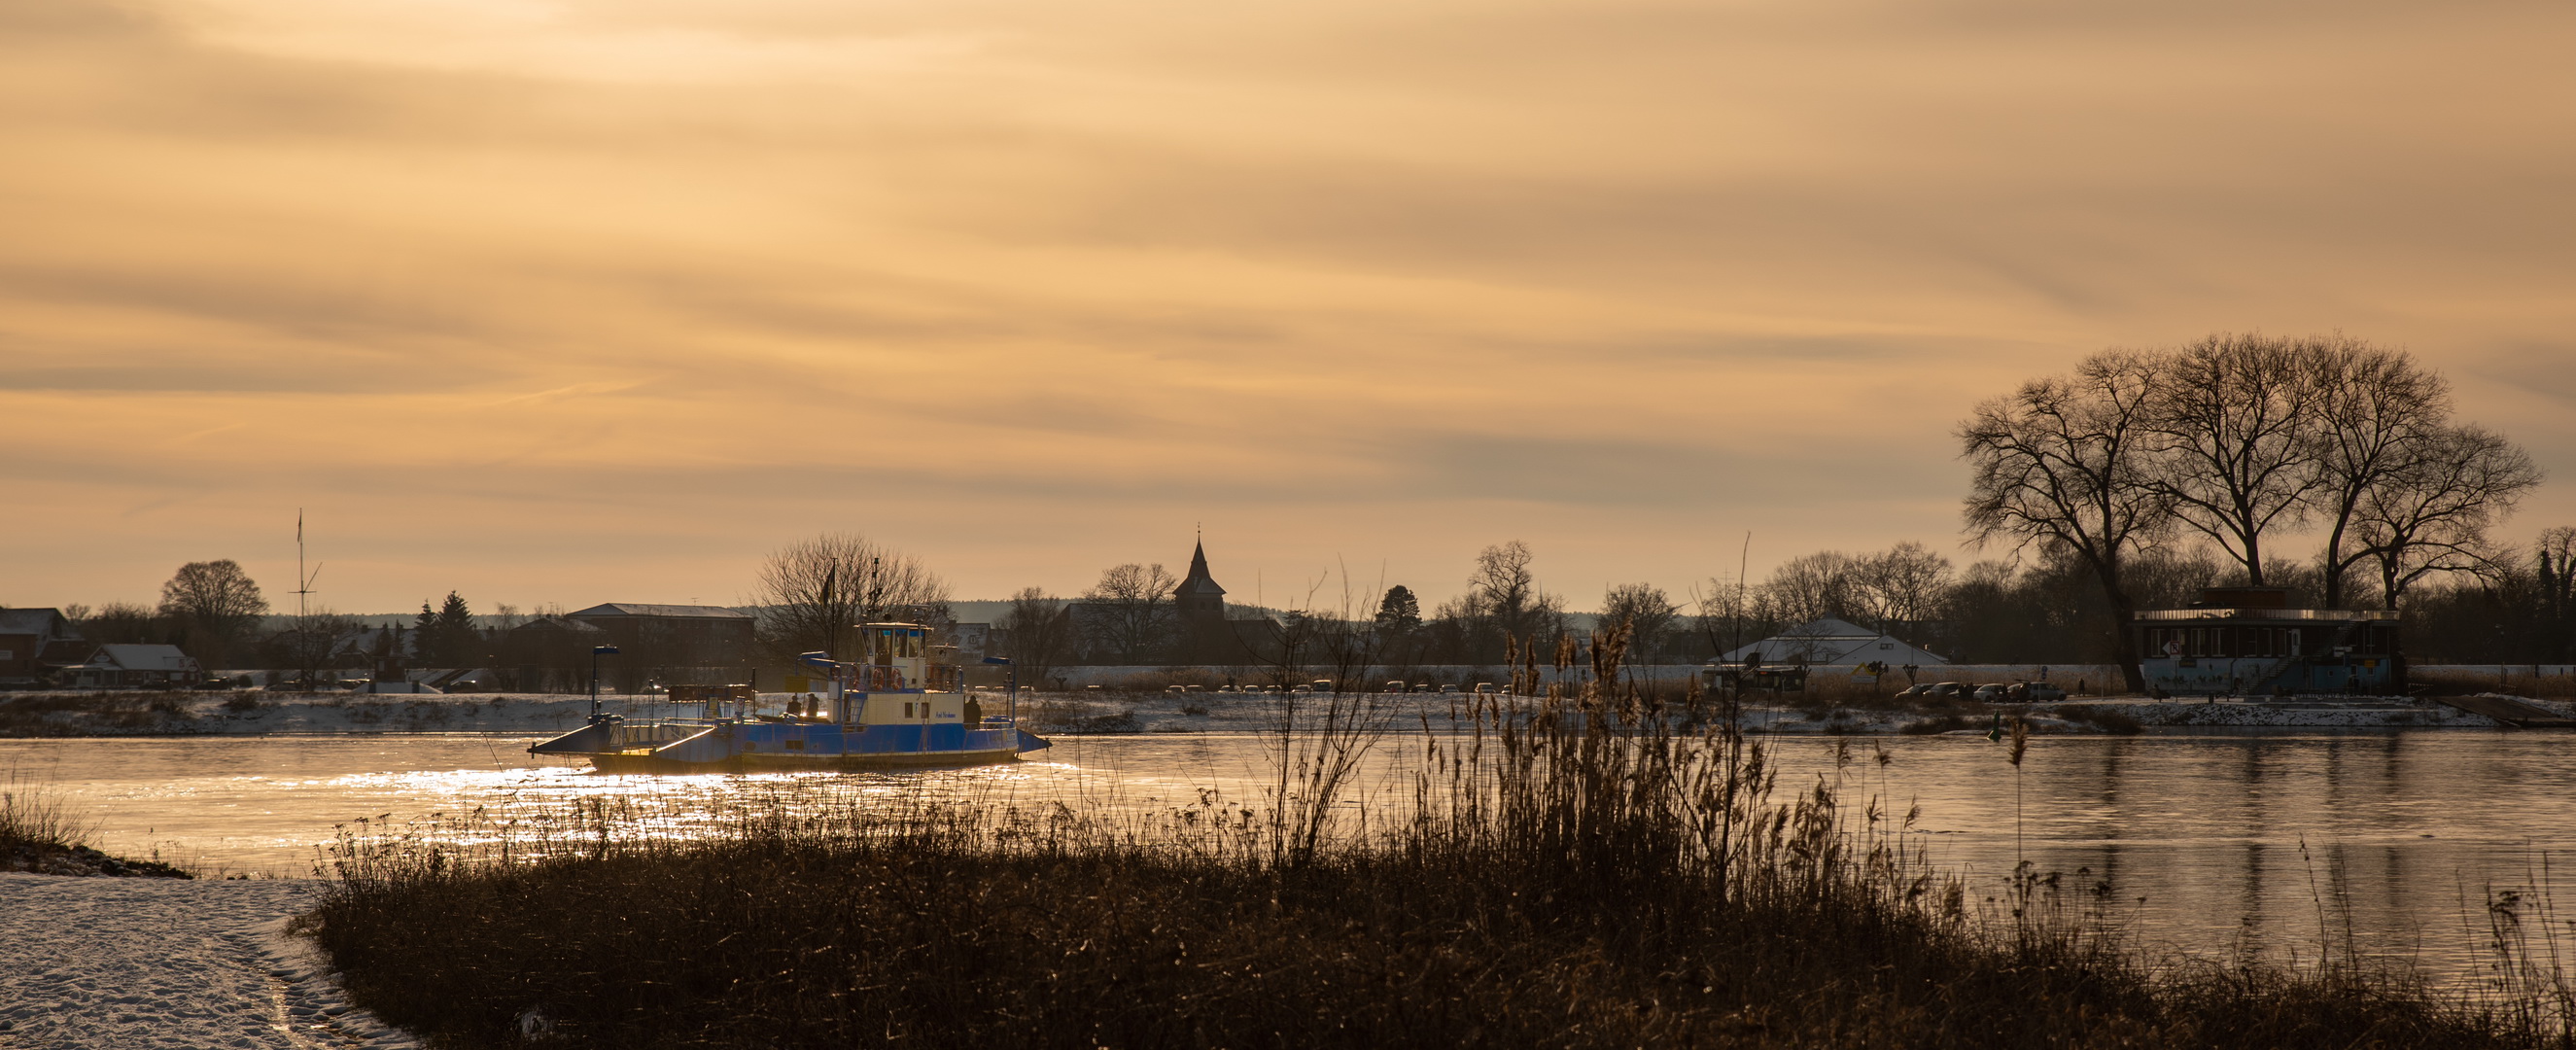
(564, 298)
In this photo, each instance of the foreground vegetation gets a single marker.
(1554, 882)
(41, 834)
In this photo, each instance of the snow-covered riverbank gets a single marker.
(25, 715)
(134, 964)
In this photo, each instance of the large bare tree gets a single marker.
(1503, 600)
(1130, 611)
(1902, 586)
(2063, 462)
(1647, 611)
(2235, 423)
(2378, 417)
(2432, 514)
(216, 603)
(1810, 587)
(811, 592)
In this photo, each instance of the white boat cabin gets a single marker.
(893, 681)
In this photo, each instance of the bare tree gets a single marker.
(2378, 414)
(1130, 612)
(811, 592)
(2432, 515)
(216, 603)
(1810, 587)
(1901, 587)
(1503, 601)
(1645, 608)
(2235, 424)
(2063, 461)
(1040, 630)
(124, 623)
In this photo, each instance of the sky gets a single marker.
(601, 300)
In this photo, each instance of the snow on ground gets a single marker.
(137, 964)
(1081, 711)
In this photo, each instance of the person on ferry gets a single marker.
(974, 713)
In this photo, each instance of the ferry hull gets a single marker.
(794, 763)
(615, 746)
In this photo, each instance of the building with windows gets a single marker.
(138, 667)
(36, 643)
(2246, 641)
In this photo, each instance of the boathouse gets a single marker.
(2246, 641)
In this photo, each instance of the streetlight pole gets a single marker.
(596, 652)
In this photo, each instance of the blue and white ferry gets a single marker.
(891, 708)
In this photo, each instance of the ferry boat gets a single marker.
(891, 708)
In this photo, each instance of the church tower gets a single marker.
(1201, 604)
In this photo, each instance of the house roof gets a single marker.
(1832, 641)
(615, 609)
(142, 658)
(557, 623)
(42, 623)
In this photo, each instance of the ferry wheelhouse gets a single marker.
(892, 707)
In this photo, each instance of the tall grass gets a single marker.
(32, 818)
(1573, 870)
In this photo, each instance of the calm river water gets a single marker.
(2215, 843)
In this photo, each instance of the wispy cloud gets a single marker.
(550, 301)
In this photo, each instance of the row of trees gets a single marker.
(2236, 441)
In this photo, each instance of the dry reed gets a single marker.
(1574, 871)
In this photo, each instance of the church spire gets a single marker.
(1199, 581)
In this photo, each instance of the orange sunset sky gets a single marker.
(596, 300)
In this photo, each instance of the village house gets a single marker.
(36, 643)
(138, 667)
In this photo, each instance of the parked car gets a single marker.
(1993, 693)
(2040, 692)
(1923, 690)
(1945, 690)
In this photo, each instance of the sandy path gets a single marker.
(147, 963)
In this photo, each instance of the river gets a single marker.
(2271, 842)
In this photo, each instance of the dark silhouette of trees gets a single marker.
(1039, 630)
(811, 592)
(1130, 614)
(2064, 462)
(1503, 601)
(125, 623)
(2235, 422)
(2431, 514)
(2233, 439)
(1901, 588)
(447, 637)
(1399, 612)
(1649, 613)
(215, 605)
(2378, 414)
